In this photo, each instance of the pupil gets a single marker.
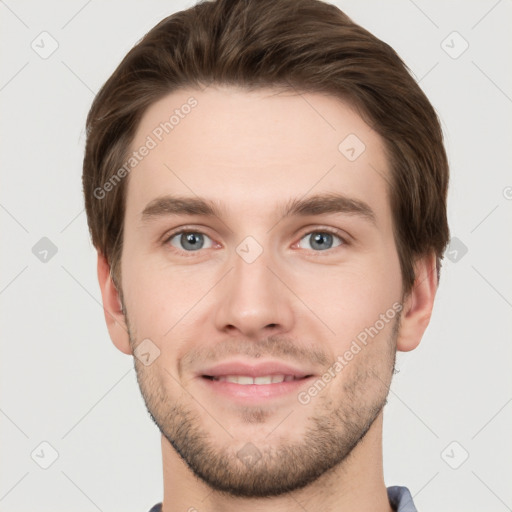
(192, 240)
(320, 239)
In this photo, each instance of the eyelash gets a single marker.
(331, 231)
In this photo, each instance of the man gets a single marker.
(266, 186)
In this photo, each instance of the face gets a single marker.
(277, 262)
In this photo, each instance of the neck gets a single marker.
(356, 484)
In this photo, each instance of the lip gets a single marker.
(246, 394)
(254, 370)
(254, 393)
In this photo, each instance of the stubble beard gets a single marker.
(336, 424)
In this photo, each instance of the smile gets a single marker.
(246, 379)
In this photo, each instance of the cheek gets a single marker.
(352, 295)
(147, 305)
(162, 300)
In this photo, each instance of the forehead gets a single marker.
(249, 150)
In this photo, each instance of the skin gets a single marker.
(252, 151)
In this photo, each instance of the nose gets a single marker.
(253, 300)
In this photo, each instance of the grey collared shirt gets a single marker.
(400, 499)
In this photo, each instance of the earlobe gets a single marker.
(112, 308)
(418, 304)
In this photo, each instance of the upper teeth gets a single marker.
(245, 379)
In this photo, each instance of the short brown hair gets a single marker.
(302, 45)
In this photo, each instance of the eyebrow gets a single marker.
(318, 204)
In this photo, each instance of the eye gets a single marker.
(193, 241)
(321, 240)
(189, 241)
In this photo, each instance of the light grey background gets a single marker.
(64, 383)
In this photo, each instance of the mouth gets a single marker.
(243, 382)
(246, 380)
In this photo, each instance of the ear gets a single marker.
(112, 308)
(418, 304)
